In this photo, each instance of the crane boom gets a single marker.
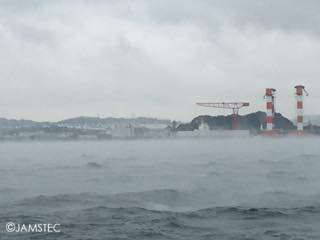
(235, 106)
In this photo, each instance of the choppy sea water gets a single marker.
(163, 189)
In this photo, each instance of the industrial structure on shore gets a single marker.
(268, 126)
(270, 105)
(266, 123)
(235, 106)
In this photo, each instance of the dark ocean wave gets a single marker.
(210, 223)
(214, 211)
(138, 202)
(163, 196)
(91, 216)
(166, 200)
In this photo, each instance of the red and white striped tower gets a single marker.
(270, 95)
(299, 97)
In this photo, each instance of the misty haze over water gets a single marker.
(250, 188)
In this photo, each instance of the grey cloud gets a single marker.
(284, 15)
(151, 56)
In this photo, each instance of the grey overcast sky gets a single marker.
(156, 58)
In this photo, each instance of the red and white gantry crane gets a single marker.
(235, 106)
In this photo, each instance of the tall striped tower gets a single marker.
(299, 97)
(270, 95)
